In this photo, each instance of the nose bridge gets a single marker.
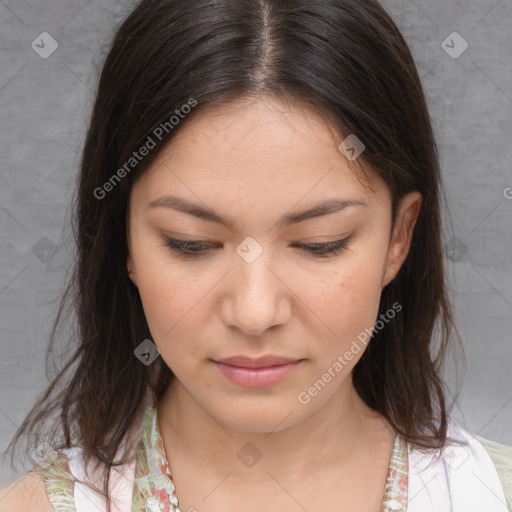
(252, 268)
(256, 292)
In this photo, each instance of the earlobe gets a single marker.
(407, 215)
(131, 272)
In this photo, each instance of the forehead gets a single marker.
(256, 130)
(260, 151)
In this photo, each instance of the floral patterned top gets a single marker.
(153, 489)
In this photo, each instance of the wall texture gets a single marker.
(49, 59)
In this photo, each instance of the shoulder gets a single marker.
(26, 493)
(497, 450)
(46, 487)
(471, 471)
(501, 456)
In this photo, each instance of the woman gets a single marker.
(258, 279)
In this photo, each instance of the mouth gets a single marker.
(256, 373)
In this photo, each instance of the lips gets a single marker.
(259, 362)
(256, 372)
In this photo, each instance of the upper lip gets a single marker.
(258, 362)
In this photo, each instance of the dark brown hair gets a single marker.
(345, 60)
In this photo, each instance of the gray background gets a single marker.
(45, 104)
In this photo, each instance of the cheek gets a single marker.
(164, 292)
(347, 302)
(172, 319)
(175, 305)
(165, 289)
(170, 304)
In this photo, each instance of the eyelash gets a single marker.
(195, 248)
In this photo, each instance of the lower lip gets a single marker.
(256, 377)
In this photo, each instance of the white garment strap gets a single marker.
(121, 482)
(120, 486)
(464, 479)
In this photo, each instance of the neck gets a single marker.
(333, 436)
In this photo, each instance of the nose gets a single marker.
(257, 297)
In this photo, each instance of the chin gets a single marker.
(261, 418)
(255, 425)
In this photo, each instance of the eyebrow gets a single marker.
(202, 212)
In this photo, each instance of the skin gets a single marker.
(256, 161)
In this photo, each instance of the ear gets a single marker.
(130, 268)
(130, 264)
(407, 215)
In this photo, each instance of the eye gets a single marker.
(324, 250)
(188, 247)
(195, 248)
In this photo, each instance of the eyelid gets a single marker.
(206, 241)
(197, 248)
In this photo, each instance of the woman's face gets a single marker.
(249, 289)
